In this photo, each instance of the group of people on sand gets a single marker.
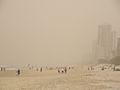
(34, 68)
(39, 69)
(90, 68)
(62, 70)
(105, 67)
(18, 72)
(2, 69)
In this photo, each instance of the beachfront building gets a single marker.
(105, 42)
(118, 47)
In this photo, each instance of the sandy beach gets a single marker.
(76, 79)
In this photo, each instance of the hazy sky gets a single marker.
(52, 31)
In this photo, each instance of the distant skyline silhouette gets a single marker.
(52, 32)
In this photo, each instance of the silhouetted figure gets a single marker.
(18, 72)
(4, 69)
(1, 69)
(41, 69)
(58, 71)
(65, 70)
(103, 68)
(88, 68)
(32, 67)
(114, 68)
(46, 67)
(62, 71)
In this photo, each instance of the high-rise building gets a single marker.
(114, 43)
(106, 41)
(118, 47)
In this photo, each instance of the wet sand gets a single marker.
(77, 79)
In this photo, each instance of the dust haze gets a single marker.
(51, 32)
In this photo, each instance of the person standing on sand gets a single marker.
(58, 71)
(41, 69)
(1, 69)
(4, 69)
(114, 68)
(18, 72)
(65, 69)
(88, 68)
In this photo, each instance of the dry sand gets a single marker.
(77, 79)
